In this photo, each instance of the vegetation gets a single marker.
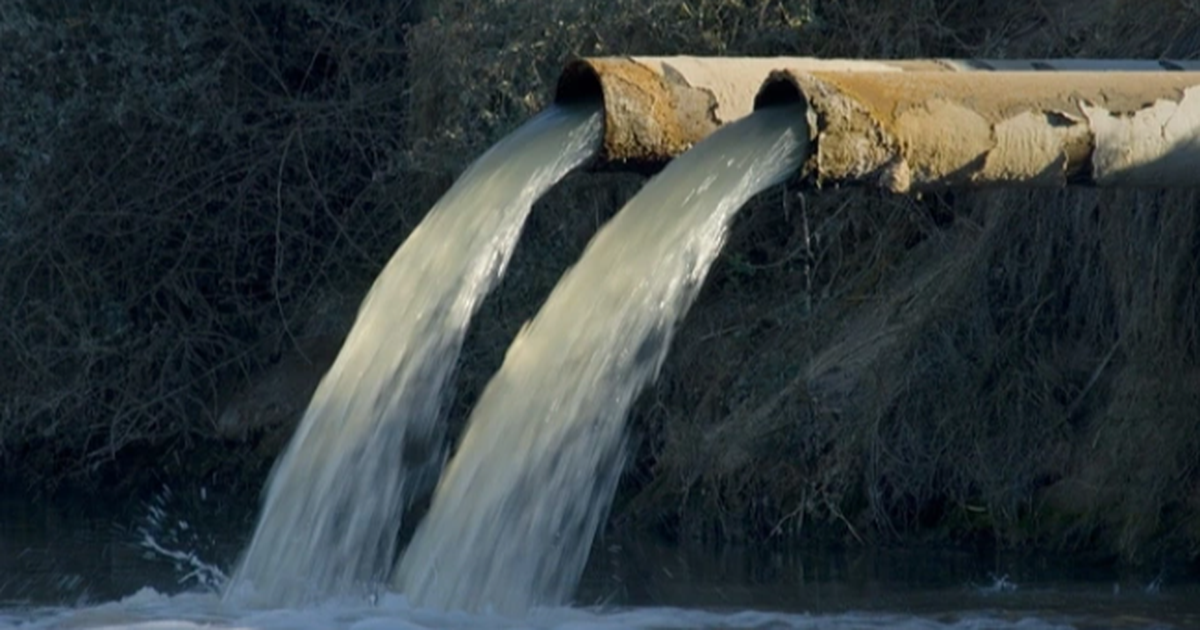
(194, 199)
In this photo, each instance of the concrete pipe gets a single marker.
(658, 107)
(927, 130)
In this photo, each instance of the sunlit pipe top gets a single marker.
(1074, 65)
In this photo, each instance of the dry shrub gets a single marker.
(1014, 367)
(1023, 371)
(187, 189)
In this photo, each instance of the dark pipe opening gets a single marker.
(778, 91)
(578, 83)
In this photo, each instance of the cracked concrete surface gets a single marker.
(916, 124)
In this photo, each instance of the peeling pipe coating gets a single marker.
(917, 124)
(922, 131)
(658, 107)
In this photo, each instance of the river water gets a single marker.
(73, 564)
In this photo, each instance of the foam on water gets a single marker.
(370, 440)
(150, 610)
(516, 510)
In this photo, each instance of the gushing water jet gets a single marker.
(370, 441)
(515, 513)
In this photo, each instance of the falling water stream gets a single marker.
(370, 440)
(515, 512)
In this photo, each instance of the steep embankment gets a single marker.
(196, 199)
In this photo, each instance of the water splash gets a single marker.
(517, 508)
(166, 535)
(150, 610)
(370, 440)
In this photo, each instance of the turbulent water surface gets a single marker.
(71, 568)
(371, 439)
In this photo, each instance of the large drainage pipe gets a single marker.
(658, 107)
(921, 130)
(915, 124)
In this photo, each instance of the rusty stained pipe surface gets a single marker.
(928, 130)
(658, 107)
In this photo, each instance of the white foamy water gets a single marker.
(371, 438)
(150, 610)
(516, 510)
